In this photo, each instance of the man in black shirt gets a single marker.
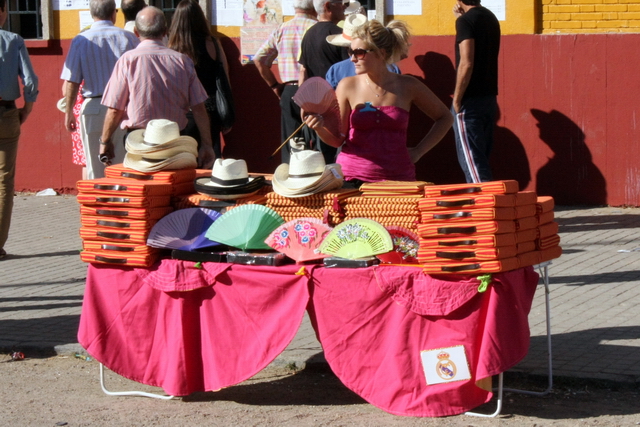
(317, 56)
(474, 99)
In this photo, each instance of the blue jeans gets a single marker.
(473, 127)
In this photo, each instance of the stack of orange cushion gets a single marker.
(117, 215)
(478, 228)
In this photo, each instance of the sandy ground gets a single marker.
(65, 391)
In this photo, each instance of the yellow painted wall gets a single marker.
(522, 17)
(590, 16)
(66, 23)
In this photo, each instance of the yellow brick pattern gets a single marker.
(590, 16)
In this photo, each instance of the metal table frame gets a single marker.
(543, 268)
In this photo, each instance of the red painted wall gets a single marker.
(567, 127)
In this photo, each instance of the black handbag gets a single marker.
(224, 106)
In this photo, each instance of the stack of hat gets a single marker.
(477, 228)
(160, 147)
(116, 217)
(229, 180)
(306, 174)
(325, 206)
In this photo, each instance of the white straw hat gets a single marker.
(145, 164)
(351, 24)
(160, 140)
(306, 174)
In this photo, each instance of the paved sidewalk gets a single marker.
(595, 292)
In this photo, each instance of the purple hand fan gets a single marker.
(183, 229)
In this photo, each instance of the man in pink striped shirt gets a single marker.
(154, 82)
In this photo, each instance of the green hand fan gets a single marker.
(357, 238)
(245, 227)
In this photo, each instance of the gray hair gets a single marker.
(151, 23)
(303, 4)
(319, 5)
(102, 9)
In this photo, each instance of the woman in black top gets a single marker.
(190, 34)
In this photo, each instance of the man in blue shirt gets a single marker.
(15, 64)
(91, 59)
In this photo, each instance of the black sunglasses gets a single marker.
(344, 4)
(358, 53)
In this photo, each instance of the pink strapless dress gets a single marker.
(376, 149)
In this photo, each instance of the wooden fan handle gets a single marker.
(287, 140)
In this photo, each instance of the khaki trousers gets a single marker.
(9, 134)
(92, 116)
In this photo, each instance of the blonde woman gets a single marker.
(374, 108)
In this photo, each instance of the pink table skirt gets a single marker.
(186, 329)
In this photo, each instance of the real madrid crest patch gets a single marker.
(444, 365)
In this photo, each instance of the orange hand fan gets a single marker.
(300, 239)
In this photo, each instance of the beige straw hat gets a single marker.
(306, 174)
(351, 24)
(160, 140)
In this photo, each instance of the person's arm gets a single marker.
(70, 94)
(206, 155)
(303, 75)
(111, 122)
(25, 111)
(29, 81)
(431, 105)
(268, 76)
(465, 69)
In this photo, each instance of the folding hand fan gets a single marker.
(317, 96)
(357, 238)
(299, 239)
(183, 229)
(245, 227)
(405, 246)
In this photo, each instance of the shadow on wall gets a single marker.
(256, 132)
(508, 157)
(571, 164)
(440, 165)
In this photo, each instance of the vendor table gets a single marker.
(189, 329)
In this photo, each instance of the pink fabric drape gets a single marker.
(373, 323)
(204, 339)
(187, 329)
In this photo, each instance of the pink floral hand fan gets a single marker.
(405, 246)
(299, 239)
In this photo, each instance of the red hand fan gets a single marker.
(405, 246)
(299, 239)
